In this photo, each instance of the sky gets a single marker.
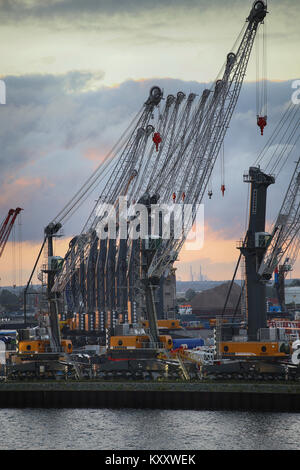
(77, 71)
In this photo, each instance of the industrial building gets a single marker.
(210, 303)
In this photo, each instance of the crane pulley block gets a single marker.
(262, 122)
(156, 139)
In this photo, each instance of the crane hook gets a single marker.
(156, 139)
(262, 122)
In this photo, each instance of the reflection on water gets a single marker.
(147, 429)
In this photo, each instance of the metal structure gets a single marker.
(253, 249)
(263, 252)
(287, 243)
(191, 131)
(279, 249)
(166, 156)
(6, 227)
(290, 258)
(285, 230)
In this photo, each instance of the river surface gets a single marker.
(135, 429)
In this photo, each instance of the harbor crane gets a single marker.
(284, 268)
(285, 229)
(285, 238)
(264, 252)
(6, 227)
(172, 149)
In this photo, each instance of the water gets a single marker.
(132, 429)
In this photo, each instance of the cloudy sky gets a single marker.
(76, 71)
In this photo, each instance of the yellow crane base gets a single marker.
(253, 348)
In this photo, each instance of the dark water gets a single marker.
(147, 429)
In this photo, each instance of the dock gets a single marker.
(281, 397)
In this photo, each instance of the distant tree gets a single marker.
(295, 283)
(190, 294)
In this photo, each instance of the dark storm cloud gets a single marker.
(54, 131)
(37, 107)
(20, 9)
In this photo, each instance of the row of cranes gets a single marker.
(173, 142)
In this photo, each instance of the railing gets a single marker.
(153, 345)
(150, 345)
(202, 356)
(272, 334)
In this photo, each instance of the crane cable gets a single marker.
(222, 151)
(275, 133)
(71, 207)
(13, 258)
(261, 72)
(83, 193)
(20, 249)
(288, 145)
(285, 127)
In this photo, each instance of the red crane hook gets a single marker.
(156, 139)
(262, 122)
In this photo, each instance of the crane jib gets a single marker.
(191, 132)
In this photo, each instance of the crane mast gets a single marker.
(51, 269)
(284, 268)
(7, 226)
(285, 243)
(203, 155)
(253, 249)
(285, 229)
(262, 251)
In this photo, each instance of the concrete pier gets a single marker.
(162, 395)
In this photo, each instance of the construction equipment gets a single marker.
(256, 248)
(253, 249)
(42, 353)
(7, 226)
(281, 271)
(53, 266)
(284, 248)
(285, 230)
(263, 252)
(187, 133)
(261, 80)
